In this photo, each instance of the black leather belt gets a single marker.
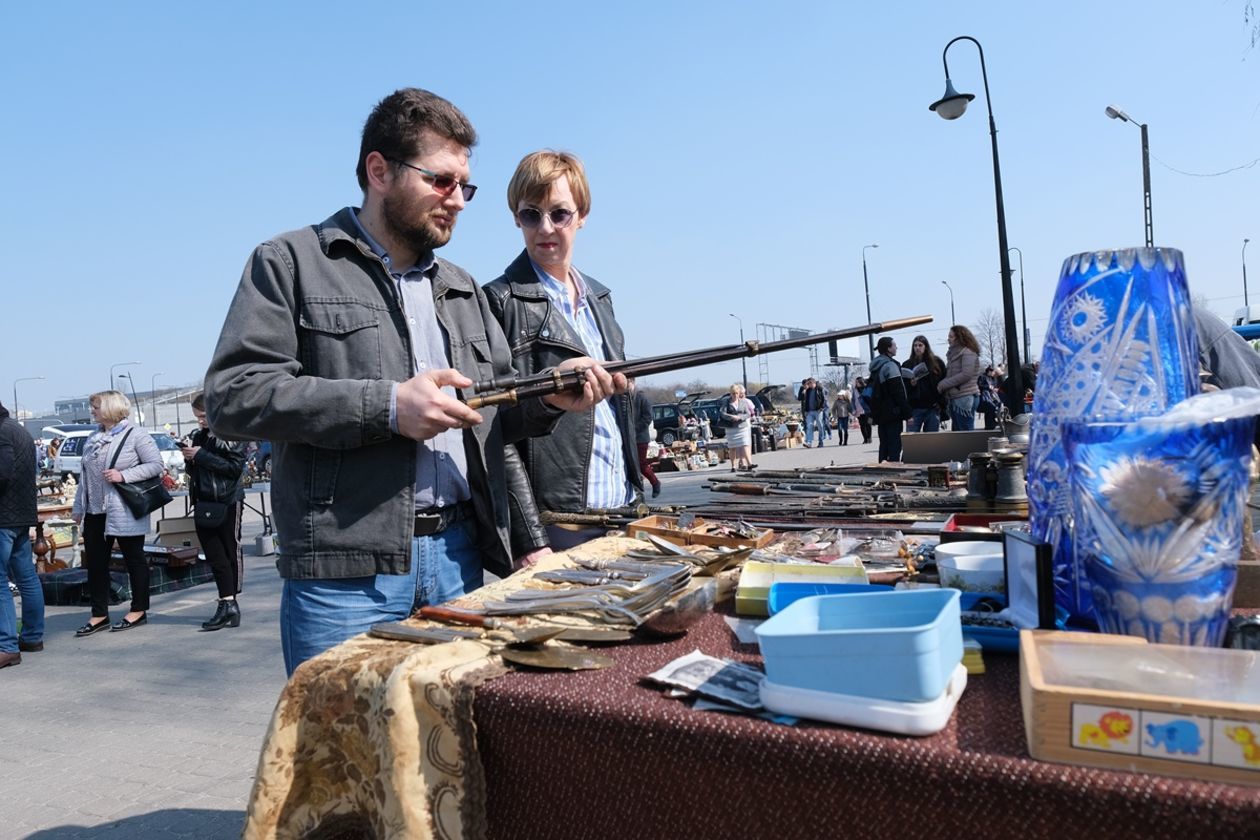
(436, 520)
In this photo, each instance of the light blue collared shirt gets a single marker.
(606, 482)
(441, 463)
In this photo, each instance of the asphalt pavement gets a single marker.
(155, 732)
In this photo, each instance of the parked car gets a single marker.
(70, 456)
(670, 420)
(258, 453)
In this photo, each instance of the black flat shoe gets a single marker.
(127, 625)
(90, 628)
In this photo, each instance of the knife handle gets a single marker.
(446, 614)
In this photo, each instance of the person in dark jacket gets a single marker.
(813, 399)
(926, 403)
(891, 405)
(17, 517)
(551, 312)
(215, 468)
(642, 411)
(349, 345)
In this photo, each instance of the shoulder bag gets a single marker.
(140, 497)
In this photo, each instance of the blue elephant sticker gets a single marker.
(1175, 736)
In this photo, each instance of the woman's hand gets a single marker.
(599, 386)
(114, 476)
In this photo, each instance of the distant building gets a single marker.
(75, 410)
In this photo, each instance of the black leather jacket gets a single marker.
(17, 476)
(214, 473)
(540, 338)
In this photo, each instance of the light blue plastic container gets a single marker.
(900, 645)
(783, 594)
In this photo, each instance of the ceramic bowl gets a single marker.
(971, 565)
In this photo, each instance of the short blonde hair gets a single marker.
(537, 171)
(111, 406)
(739, 386)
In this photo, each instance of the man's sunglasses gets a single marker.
(445, 184)
(531, 217)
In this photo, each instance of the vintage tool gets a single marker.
(674, 618)
(511, 389)
(517, 635)
(557, 658)
(400, 632)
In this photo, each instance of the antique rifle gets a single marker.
(511, 389)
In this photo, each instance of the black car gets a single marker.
(671, 420)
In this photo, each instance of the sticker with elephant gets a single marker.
(1179, 737)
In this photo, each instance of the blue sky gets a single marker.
(740, 155)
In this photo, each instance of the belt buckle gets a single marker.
(428, 524)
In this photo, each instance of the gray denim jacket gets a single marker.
(312, 343)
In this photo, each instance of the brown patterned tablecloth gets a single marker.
(597, 754)
(393, 740)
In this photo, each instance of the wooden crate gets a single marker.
(666, 527)
(1189, 733)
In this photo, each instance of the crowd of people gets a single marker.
(923, 392)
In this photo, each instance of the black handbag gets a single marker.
(209, 514)
(140, 497)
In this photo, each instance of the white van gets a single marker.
(70, 455)
(1246, 315)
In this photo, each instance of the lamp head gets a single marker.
(952, 104)
(1116, 114)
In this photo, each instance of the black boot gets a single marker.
(228, 614)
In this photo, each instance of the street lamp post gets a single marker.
(743, 360)
(1116, 114)
(153, 395)
(870, 338)
(950, 107)
(953, 319)
(134, 400)
(111, 372)
(1023, 310)
(1245, 303)
(24, 379)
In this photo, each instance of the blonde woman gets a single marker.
(119, 451)
(736, 412)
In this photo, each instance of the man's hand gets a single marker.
(424, 411)
(599, 386)
(530, 558)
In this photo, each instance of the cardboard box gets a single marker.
(177, 531)
(700, 533)
(1120, 703)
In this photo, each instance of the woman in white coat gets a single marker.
(120, 451)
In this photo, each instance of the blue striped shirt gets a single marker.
(606, 482)
(441, 463)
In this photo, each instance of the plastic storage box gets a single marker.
(901, 645)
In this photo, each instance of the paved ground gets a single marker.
(155, 732)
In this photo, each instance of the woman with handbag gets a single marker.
(120, 459)
(215, 468)
(736, 412)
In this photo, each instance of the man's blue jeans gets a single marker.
(18, 565)
(814, 420)
(316, 615)
(962, 413)
(924, 420)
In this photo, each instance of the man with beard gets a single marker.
(347, 346)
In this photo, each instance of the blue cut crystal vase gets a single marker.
(1158, 521)
(1120, 345)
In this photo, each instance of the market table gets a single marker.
(387, 739)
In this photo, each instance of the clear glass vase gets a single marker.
(1120, 345)
(1158, 522)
